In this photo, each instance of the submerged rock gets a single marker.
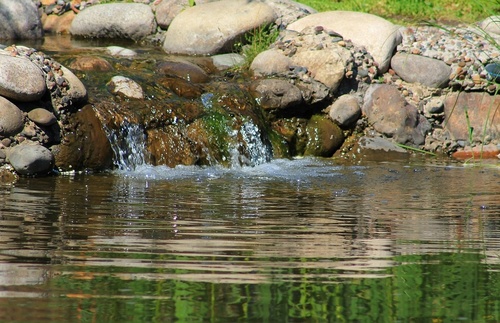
(324, 137)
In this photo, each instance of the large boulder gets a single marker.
(19, 19)
(115, 20)
(11, 118)
(20, 79)
(379, 36)
(214, 27)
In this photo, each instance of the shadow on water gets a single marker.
(290, 240)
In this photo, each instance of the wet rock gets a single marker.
(125, 86)
(42, 117)
(7, 175)
(419, 69)
(20, 79)
(480, 110)
(19, 19)
(120, 51)
(11, 118)
(84, 144)
(276, 94)
(324, 137)
(186, 70)
(181, 87)
(391, 115)
(214, 27)
(91, 63)
(30, 159)
(170, 146)
(226, 61)
(379, 36)
(377, 149)
(269, 62)
(345, 110)
(115, 20)
(165, 11)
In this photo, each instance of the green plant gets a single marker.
(255, 42)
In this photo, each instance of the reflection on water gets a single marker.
(288, 241)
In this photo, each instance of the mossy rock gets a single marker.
(324, 137)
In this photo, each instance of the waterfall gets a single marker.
(129, 145)
(256, 150)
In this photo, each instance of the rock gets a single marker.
(325, 60)
(391, 115)
(59, 24)
(186, 70)
(166, 10)
(42, 117)
(269, 62)
(125, 86)
(491, 25)
(31, 159)
(226, 61)
(77, 92)
(120, 51)
(478, 152)
(214, 27)
(84, 145)
(181, 87)
(288, 11)
(379, 36)
(345, 110)
(19, 19)
(481, 110)
(115, 20)
(377, 149)
(313, 91)
(276, 94)
(324, 137)
(20, 79)
(419, 69)
(434, 106)
(11, 118)
(91, 63)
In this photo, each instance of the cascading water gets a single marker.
(129, 146)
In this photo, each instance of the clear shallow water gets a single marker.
(289, 241)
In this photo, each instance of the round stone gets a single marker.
(21, 79)
(31, 159)
(11, 118)
(42, 117)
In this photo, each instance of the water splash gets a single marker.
(129, 146)
(257, 151)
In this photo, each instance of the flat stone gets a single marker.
(214, 27)
(11, 118)
(115, 20)
(20, 79)
(120, 51)
(379, 36)
(226, 61)
(420, 69)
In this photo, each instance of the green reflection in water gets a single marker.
(443, 287)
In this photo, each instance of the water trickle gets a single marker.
(257, 151)
(129, 145)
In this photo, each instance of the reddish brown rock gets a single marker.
(91, 63)
(478, 152)
(479, 110)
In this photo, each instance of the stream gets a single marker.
(415, 239)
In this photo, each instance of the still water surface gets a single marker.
(290, 241)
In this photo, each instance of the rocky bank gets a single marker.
(332, 84)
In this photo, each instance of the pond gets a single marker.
(304, 240)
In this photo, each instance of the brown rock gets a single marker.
(188, 71)
(42, 117)
(480, 110)
(91, 63)
(324, 137)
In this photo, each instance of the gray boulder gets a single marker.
(20, 78)
(270, 62)
(419, 69)
(345, 110)
(276, 94)
(115, 20)
(30, 159)
(11, 118)
(214, 27)
(389, 114)
(166, 10)
(379, 36)
(19, 19)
